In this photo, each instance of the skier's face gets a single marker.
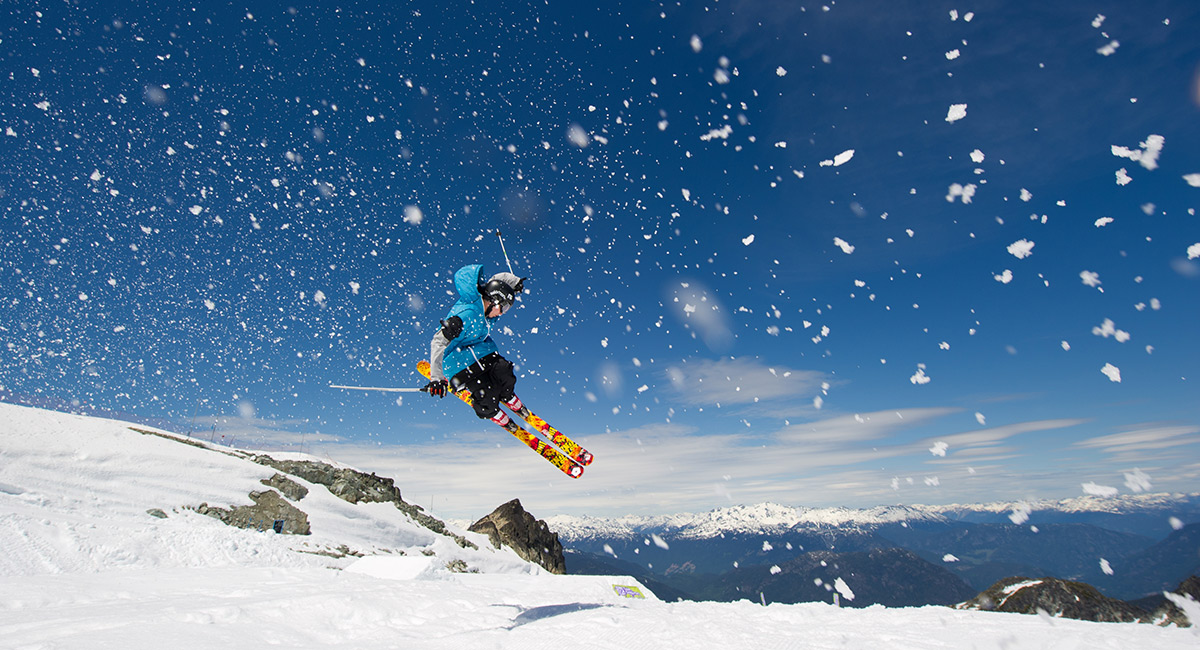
(496, 309)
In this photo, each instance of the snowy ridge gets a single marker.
(1117, 504)
(766, 518)
(75, 493)
(742, 519)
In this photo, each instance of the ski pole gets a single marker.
(505, 251)
(384, 389)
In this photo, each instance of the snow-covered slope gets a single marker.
(86, 567)
(75, 491)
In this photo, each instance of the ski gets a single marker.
(568, 446)
(543, 449)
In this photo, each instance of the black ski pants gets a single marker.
(491, 381)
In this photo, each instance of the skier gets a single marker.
(463, 348)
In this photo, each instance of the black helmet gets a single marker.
(503, 288)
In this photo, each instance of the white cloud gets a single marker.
(706, 382)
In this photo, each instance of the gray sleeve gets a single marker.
(451, 329)
(437, 348)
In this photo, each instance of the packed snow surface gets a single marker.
(85, 566)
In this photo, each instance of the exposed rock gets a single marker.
(290, 489)
(359, 487)
(1170, 613)
(269, 512)
(157, 512)
(346, 484)
(1057, 598)
(509, 525)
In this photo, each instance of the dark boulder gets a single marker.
(269, 512)
(1060, 598)
(531, 539)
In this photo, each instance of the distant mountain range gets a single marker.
(1129, 547)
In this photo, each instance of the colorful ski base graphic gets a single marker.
(543, 449)
(568, 446)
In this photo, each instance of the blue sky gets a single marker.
(776, 252)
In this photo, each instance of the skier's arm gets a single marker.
(451, 328)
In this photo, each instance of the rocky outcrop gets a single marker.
(346, 484)
(1170, 612)
(1055, 597)
(531, 539)
(358, 487)
(290, 489)
(269, 512)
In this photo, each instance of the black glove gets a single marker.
(436, 388)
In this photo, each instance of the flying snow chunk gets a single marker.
(1138, 481)
(196, 210)
(1192, 179)
(977, 156)
(577, 136)
(1108, 329)
(687, 194)
(843, 244)
(920, 378)
(952, 54)
(1193, 251)
(939, 449)
(748, 240)
(658, 541)
(1021, 249)
(1110, 49)
(1112, 372)
(775, 570)
(1148, 153)
(839, 160)
(1105, 567)
(1090, 278)
(1103, 221)
(980, 418)
(956, 113)
(1098, 490)
(413, 215)
(949, 558)
(843, 589)
(1123, 177)
(722, 133)
(957, 190)
(1020, 513)
(780, 71)
(1004, 278)
(697, 44)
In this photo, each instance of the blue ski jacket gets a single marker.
(449, 355)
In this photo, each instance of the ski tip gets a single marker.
(575, 471)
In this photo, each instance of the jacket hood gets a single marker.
(467, 281)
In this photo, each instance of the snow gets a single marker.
(86, 567)
(1112, 372)
(956, 112)
(1021, 249)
